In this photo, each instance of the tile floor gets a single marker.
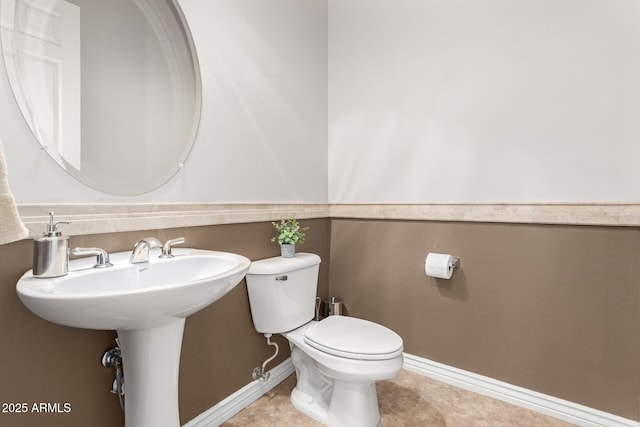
(408, 400)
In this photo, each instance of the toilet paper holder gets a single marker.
(455, 263)
(440, 266)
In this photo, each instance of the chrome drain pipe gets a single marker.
(112, 358)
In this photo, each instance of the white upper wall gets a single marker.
(444, 101)
(429, 101)
(263, 132)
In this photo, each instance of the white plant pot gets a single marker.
(287, 250)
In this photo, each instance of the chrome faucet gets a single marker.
(141, 250)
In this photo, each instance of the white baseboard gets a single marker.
(518, 396)
(242, 398)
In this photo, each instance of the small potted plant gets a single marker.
(288, 233)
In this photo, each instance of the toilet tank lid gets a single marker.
(279, 265)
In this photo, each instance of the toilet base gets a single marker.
(330, 401)
(352, 405)
(318, 410)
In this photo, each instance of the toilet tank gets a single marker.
(282, 292)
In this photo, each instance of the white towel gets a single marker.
(11, 227)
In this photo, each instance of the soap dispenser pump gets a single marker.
(51, 252)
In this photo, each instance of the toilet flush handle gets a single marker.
(282, 278)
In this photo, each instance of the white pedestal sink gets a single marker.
(147, 304)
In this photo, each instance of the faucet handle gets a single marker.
(102, 256)
(166, 249)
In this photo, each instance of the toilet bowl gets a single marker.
(336, 379)
(338, 360)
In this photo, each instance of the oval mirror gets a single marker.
(110, 88)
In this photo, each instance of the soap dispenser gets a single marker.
(51, 252)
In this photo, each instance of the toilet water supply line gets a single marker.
(259, 371)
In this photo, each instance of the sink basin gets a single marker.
(133, 296)
(147, 304)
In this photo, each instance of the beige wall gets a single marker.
(550, 308)
(554, 309)
(44, 362)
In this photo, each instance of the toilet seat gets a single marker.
(353, 338)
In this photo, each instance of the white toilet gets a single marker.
(337, 360)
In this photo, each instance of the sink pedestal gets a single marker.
(151, 361)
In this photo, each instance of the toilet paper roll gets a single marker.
(439, 265)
